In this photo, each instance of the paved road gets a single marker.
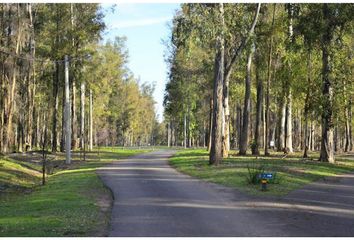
(152, 199)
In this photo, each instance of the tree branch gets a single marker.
(243, 44)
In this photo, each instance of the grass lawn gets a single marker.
(74, 202)
(292, 172)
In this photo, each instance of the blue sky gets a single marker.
(145, 25)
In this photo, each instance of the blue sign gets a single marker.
(266, 175)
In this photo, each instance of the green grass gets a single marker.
(293, 172)
(17, 175)
(74, 202)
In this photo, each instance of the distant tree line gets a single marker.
(108, 104)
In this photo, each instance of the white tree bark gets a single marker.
(91, 123)
(168, 134)
(67, 117)
(185, 132)
(82, 121)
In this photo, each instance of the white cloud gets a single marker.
(139, 22)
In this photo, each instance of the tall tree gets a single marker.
(217, 130)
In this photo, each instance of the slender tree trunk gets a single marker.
(327, 146)
(269, 74)
(91, 123)
(347, 130)
(62, 141)
(32, 81)
(67, 114)
(312, 136)
(307, 105)
(210, 123)
(336, 142)
(257, 138)
(184, 131)
(226, 116)
(73, 83)
(216, 154)
(74, 116)
(55, 108)
(247, 106)
(82, 115)
(289, 119)
(189, 143)
(168, 134)
(204, 134)
(306, 135)
(350, 125)
(289, 128)
(281, 128)
(264, 135)
(239, 125)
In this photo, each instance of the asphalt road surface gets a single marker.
(153, 199)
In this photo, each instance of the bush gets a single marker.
(254, 172)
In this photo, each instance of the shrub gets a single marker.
(254, 172)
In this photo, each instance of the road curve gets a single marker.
(153, 199)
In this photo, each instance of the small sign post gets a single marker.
(264, 180)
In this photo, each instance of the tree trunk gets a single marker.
(74, 116)
(168, 134)
(247, 106)
(227, 68)
(216, 154)
(257, 137)
(184, 131)
(82, 116)
(226, 114)
(289, 128)
(32, 81)
(189, 143)
(307, 105)
(55, 108)
(281, 127)
(62, 141)
(306, 134)
(239, 125)
(67, 114)
(10, 87)
(91, 123)
(350, 125)
(347, 130)
(289, 119)
(210, 123)
(327, 146)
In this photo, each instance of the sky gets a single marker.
(145, 25)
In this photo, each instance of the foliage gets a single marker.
(254, 171)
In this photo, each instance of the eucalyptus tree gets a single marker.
(234, 47)
(189, 87)
(214, 26)
(329, 24)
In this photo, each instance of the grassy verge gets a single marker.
(17, 175)
(292, 172)
(74, 202)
